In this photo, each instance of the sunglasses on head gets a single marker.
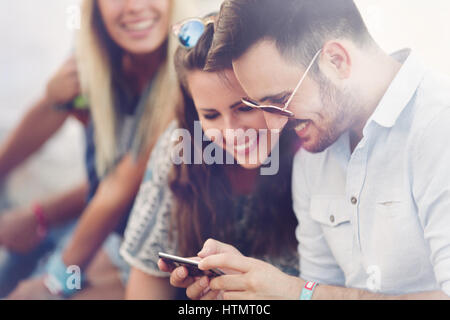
(189, 31)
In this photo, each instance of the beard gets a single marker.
(338, 112)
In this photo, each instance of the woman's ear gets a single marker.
(335, 61)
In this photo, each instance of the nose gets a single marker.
(135, 5)
(234, 129)
(274, 121)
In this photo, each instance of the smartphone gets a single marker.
(191, 265)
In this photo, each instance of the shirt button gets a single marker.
(354, 200)
(332, 219)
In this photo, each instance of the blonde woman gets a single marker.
(125, 70)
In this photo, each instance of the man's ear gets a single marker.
(335, 61)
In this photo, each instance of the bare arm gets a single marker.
(35, 128)
(18, 228)
(65, 206)
(259, 280)
(323, 292)
(114, 196)
(142, 286)
(41, 121)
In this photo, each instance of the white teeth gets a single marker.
(139, 25)
(244, 146)
(301, 126)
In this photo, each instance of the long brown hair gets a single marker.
(204, 201)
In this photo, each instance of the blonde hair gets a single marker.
(95, 65)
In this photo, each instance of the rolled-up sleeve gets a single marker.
(431, 188)
(317, 262)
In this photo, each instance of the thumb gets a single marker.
(211, 247)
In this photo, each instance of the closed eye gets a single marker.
(245, 108)
(211, 116)
(281, 100)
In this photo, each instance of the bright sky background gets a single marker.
(421, 25)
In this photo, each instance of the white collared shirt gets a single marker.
(379, 218)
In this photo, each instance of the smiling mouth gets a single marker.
(296, 124)
(247, 146)
(301, 126)
(139, 26)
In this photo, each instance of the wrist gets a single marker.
(296, 286)
(308, 290)
(40, 218)
(62, 280)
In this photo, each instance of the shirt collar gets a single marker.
(401, 90)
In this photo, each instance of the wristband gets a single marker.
(42, 228)
(60, 280)
(308, 290)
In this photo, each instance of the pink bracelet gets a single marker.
(42, 228)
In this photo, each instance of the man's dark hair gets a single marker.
(299, 28)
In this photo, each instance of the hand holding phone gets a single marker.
(191, 265)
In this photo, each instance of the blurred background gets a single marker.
(36, 40)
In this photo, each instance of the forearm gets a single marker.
(66, 206)
(324, 292)
(142, 286)
(37, 126)
(111, 202)
(98, 220)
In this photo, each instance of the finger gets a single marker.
(179, 278)
(212, 246)
(196, 290)
(195, 258)
(211, 295)
(229, 283)
(227, 261)
(164, 266)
